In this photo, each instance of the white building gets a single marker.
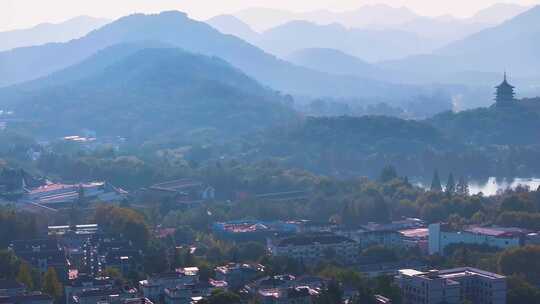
(154, 287)
(452, 286)
(313, 247)
(441, 236)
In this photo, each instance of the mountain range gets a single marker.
(369, 45)
(176, 29)
(47, 32)
(380, 27)
(371, 16)
(513, 45)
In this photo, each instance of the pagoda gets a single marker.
(505, 94)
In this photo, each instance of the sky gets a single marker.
(16, 14)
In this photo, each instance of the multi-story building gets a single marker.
(188, 293)
(187, 192)
(291, 295)
(383, 234)
(105, 296)
(82, 283)
(441, 236)
(76, 241)
(43, 254)
(313, 247)
(154, 287)
(58, 196)
(237, 275)
(452, 286)
(251, 230)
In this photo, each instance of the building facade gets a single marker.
(441, 236)
(313, 247)
(452, 286)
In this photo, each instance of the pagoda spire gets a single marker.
(505, 94)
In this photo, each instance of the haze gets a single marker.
(16, 14)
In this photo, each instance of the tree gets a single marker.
(450, 185)
(519, 291)
(517, 261)
(51, 284)
(436, 182)
(332, 294)
(9, 264)
(462, 187)
(388, 173)
(25, 276)
(125, 222)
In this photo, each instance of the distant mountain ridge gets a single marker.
(26, 64)
(513, 46)
(262, 19)
(428, 33)
(334, 62)
(47, 32)
(372, 16)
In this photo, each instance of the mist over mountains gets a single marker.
(48, 32)
(26, 64)
(437, 31)
(310, 60)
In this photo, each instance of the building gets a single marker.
(253, 230)
(291, 295)
(373, 270)
(154, 287)
(238, 275)
(415, 238)
(11, 288)
(75, 240)
(57, 196)
(384, 234)
(452, 286)
(188, 293)
(505, 94)
(186, 191)
(105, 296)
(441, 236)
(116, 253)
(82, 283)
(43, 254)
(313, 247)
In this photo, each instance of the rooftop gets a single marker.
(415, 233)
(313, 239)
(450, 273)
(177, 185)
(231, 267)
(497, 231)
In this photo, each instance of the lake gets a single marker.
(493, 185)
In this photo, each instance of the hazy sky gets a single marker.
(25, 13)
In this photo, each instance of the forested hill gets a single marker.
(152, 93)
(479, 143)
(514, 125)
